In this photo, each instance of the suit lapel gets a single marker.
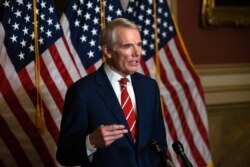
(142, 112)
(107, 93)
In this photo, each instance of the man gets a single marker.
(94, 130)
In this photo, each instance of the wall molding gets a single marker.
(232, 108)
(222, 68)
(225, 83)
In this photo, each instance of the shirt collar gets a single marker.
(113, 76)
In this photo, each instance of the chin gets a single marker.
(133, 71)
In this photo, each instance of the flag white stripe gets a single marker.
(65, 26)
(178, 88)
(201, 145)
(172, 110)
(6, 156)
(49, 100)
(21, 94)
(171, 106)
(50, 144)
(67, 61)
(173, 116)
(16, 85)
(185, 105)
(54, 73)
(170, 141)
(150, 64)
(51, 105)
(98, 64)
(2, 34)
(187, 76)
(19, 134)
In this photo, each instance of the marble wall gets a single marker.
(227, 94)
(230, 135)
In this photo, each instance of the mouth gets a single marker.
(135, 63)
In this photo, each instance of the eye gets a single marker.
(127, 45)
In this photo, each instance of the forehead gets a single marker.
(127, 35)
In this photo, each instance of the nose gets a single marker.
(137, 51)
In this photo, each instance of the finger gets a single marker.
(116, 132)
(114, 127)
(110, 139)
(113, 132)
(119, 132)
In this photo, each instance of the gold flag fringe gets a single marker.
(39, 117)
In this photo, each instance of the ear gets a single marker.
(106, 51)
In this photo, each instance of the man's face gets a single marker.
(125, 55)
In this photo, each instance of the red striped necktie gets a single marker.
(127, 108)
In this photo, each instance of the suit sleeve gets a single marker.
(71, 144)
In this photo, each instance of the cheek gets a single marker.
(122, 58)
(127, 55)
(119, 62)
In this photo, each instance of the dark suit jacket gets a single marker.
(90, 102)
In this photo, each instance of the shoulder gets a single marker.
(143, 78)
(144, 83)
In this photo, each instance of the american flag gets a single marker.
(81, 23)
(183, 102)
(21, 143)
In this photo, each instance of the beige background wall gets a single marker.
(221, 56)
(227, 94)
(214, 45)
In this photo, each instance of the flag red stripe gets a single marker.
(186, 129)
(24, 120)
(60, 65)
(183, 120)
(144, 68)
(1, 163)
(70, 54)
(195, 112)
(13, 145)
(55, 93)
(91, 69)
(169, 122)
(171, 129)
(188, 94)
(198, 120)
(167, 117)
(30, 88)
(190, 68)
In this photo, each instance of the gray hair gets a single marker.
(108, 36)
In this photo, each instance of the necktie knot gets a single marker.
(123, 82)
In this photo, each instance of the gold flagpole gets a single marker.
(40, 122)
(102, 15)
(157, 58)
(157, 61)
